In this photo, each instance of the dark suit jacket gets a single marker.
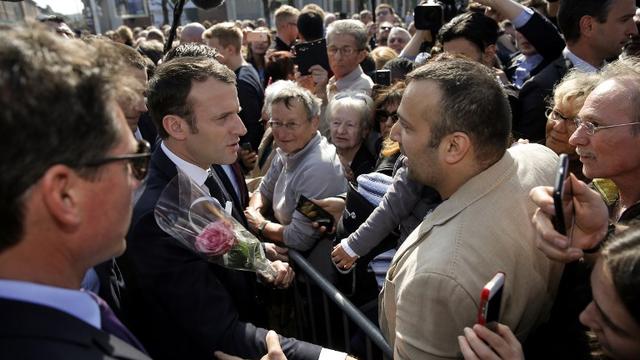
(31, 331)
(530, 121)
(534, 99)
(545, 37)
(179, 305)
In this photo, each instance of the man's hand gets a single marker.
(275, 252)
(274, 351)
(254, 218)
(284, 275)
(341, 258)
(588, 228)
(335, 207)
(248, 158)
(482, 343)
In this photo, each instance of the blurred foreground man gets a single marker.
(456, 141)
(68, 174)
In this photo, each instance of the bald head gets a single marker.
(192, 33)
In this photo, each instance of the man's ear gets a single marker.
(489, 55)
(61, 191)
(315, 122)
(455, 147)
(362, 55)
(176, 127)
(586, 25)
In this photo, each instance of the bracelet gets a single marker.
(261, 227)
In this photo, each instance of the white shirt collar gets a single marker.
(73, 302)
(195, 172)
(578, 63)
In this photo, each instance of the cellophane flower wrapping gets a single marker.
(189, 214)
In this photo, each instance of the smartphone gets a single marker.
(311, 53)
(382, 77)
(490, 300)
(246, 146)
(314, 212)
(561, 194)
(428, 17)
(257, 36)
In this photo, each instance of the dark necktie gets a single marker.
(110, 324)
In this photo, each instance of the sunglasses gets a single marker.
(139, 162)
(383, 115)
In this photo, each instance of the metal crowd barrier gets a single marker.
(348, 310)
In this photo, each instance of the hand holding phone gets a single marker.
(490, 300)
(314, 212)
(562, 196)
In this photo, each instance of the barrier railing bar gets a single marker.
(345, 305)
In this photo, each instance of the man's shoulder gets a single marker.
(548, 76)
(37, 331)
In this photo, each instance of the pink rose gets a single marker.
(216, 239)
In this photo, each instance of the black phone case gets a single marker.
(311, 53)
(314, 212)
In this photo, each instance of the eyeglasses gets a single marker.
(386, 28)
(279, 125)
(344, 51)
(591, 128)
(139, 161)
(384, 116)
(555, 115)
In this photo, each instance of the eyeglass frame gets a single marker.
(591, 129)
(558, 116)
(139, 172)
(332, 50)
(384, 114)
(290, 126)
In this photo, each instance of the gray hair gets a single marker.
(288, 91)
(354, 28)
(403, 31)
(355, 101)
(626, 71)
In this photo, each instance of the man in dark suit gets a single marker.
(594, 31)
(180, 305)
(66, 202)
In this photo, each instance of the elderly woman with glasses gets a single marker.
(305, 164)
(349, 115)
(568, 97)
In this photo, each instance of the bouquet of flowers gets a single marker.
(187, 212)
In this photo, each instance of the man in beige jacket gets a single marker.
(456, 139)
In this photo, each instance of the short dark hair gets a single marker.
(57, 105)
(152, 49)
(399, 67)
(621, 257)
(472, 102)
(171, 84)
(190, 50)
(477, 28)
(311, 23)
(571, 11)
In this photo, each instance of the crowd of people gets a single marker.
(434, 147)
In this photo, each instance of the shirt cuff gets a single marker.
(347, 248)
(523, 18)
(328, 354)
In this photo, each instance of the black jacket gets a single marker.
(31, 331)
(179, 305)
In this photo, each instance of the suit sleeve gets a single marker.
(531, 122)
(183, 287)
(544, 36)
(432, 310)
(251, 103)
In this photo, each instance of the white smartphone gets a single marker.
(490, 300)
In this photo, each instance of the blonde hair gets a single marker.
(382, 55)
(574, 89)
(227, 34)
(284, 13)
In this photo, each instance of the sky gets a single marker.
(65, 7)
